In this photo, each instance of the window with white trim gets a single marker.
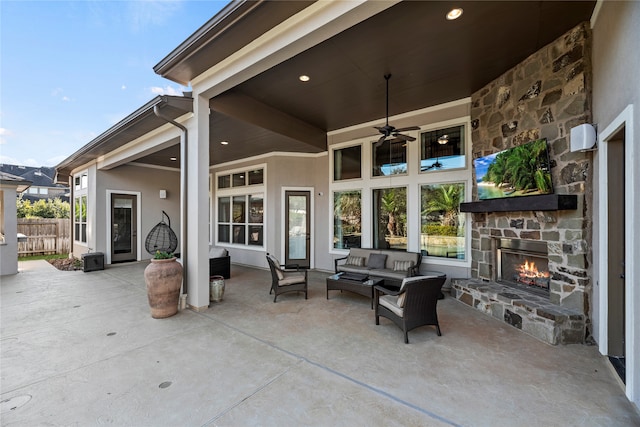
(81, 184)
(240, 209)
(411, 199)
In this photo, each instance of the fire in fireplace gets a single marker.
(523, 263)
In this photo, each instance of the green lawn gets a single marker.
(45, 257)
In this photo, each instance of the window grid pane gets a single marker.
(390, 212)
(442, 149)
(442, 224)
(347, 219)
(389, 157)
(347, 163)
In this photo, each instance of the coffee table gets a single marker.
(360, 287)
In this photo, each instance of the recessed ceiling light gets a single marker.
(304, 78)
(224, 142)
(173, 159)
(454, 13)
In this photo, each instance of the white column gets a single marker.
(9, 248)
(197, 209)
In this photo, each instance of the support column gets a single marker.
(196, 207)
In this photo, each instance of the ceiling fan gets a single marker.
(436, 165)
(387, 130)
(442, 140)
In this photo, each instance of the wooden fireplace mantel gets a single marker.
(546, 202)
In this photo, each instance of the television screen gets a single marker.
(518, 171)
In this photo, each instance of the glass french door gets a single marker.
(123, 228)
(298, 228)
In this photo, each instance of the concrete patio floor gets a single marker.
(82, 349)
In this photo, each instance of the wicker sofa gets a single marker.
(382, 263)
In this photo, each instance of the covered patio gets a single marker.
(81, 349)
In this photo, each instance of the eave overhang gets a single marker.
(223, 35)
(135, 125)
(21, 184)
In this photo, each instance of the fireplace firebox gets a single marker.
(523, 264)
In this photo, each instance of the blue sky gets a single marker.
(69, 70)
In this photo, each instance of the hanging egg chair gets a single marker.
(161, 237)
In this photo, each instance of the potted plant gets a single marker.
(163, 277)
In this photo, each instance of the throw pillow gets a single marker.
(376, 261)
(402, 265)
(355, 260)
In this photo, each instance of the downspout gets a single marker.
(183, 192)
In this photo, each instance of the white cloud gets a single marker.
(13, 161)
(4, 132)
(123, 87)
(66, 98)
(56, 92)
(167, 90)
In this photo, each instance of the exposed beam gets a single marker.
(250, 110)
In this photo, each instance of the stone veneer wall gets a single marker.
(542, 97)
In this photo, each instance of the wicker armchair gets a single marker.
(412, 306)
(288, 278)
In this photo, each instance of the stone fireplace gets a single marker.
(523, 264)
(543, 97)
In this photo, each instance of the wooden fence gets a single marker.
(44, 236)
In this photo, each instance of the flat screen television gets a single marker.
(519, 171)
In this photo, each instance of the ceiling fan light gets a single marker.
(443, 139)
(454, 13)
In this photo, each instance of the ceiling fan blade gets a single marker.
(404, 137)
(408, 128)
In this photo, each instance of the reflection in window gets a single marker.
(442, 224)
(347, 219)
(239, 203)
(224, 209)
(256, 177)
(346, 163)
(224, 181)
(80, 219)
(236, 224)
(390, 218)
(224, 219)
(442, 149)
(256, 209)
(238, 179)
(389, 157)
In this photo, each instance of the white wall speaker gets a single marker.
(163, 194)
(583, 137)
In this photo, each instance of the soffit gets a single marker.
(431, 60)
(135, 125)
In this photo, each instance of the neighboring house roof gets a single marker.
(9, 179)
(41, 176)
(135, 125)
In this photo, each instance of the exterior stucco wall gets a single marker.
(616, 61)
(9, 247)
(148, 182)
(283, 171)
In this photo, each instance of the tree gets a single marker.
(445, 200)
(48, 208)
